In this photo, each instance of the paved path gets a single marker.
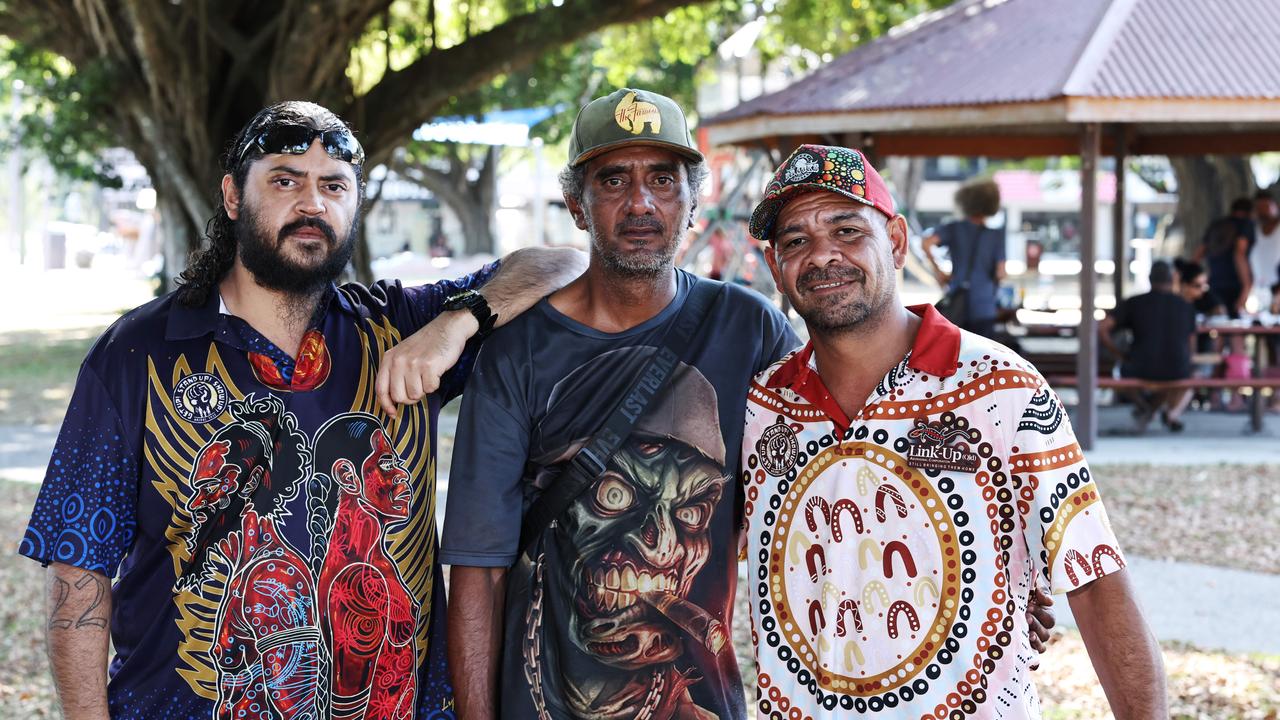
(1209, 607)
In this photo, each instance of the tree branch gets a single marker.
(406, 98)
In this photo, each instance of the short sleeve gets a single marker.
(85, 512)
(777, 338)
(945, 233)
(1123, 314)
(1068, 536)
(485, 503)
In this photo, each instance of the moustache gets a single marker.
(643, 222)
(818, 276)
(309, 222)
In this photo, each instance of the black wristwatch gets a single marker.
(473, 301)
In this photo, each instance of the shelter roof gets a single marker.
(1038, 67)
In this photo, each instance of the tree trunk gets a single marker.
(1207, 184)
(471, 202)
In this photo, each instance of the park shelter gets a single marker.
(1032, 78)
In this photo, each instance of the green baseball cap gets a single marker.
(630, 117)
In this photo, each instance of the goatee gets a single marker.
(272, 269)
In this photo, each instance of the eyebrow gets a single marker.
(289, 169)
(831, 220)
(608, 170)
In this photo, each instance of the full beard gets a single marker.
(274, 270)
(837, 315)
(645, 265)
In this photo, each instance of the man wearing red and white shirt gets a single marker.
(907, 486)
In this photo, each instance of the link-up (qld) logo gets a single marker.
(199, 398)
(943, 445)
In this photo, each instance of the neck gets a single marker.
(853, 361)
(280, 317)
(610, 302)
(977, 219)
(1269, 224)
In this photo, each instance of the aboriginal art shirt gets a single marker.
(272, 529)
(621, 608)
(891, 555)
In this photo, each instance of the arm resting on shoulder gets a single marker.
(477, 598)
(1123, 651)
(79, 609)
(412, 369)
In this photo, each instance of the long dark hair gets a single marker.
(207, 265)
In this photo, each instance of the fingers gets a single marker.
(383, 387)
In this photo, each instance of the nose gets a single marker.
(822, 252)
(311, 202)
(640, 199)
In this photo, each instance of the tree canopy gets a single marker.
(172, 80)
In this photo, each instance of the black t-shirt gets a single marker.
(621, 607)
(1220, 247)
(1161, 323)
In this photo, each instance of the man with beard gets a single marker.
(258, 316)
(619, 608)
(908, 484)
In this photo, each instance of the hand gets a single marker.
(1040, 620)
(411, 370)
(944, 279)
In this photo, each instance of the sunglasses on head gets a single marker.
(297, 139)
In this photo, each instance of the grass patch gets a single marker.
(1225, 516)
(40, 369)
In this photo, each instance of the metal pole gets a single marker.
(1120, 215)
(1087, 360)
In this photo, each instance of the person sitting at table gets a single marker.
(1193, 286)
(1163, 326)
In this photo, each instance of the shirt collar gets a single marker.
(936, 351)
(187, 322)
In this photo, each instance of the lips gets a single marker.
(308, 234)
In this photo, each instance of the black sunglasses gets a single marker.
(297, 139)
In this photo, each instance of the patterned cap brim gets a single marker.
(766, 213)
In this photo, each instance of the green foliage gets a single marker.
(57, 110)
(61, 106)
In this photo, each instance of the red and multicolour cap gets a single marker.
(820, 167)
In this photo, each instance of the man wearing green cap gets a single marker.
(619, 607)
(908, 485)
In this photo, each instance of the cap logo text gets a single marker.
(633, 115)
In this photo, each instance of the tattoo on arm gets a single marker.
(89, 589)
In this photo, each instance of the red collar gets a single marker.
(936, 351)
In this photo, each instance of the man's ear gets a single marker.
(693, 213)
(898, 240)
(575, 210)
(230, 196)
(344, 472)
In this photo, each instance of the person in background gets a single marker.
(1264, 258)
(977, 253)
(1193, 286)
(1163, 326)
(1225, 250)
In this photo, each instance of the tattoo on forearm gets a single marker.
(89, 588)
